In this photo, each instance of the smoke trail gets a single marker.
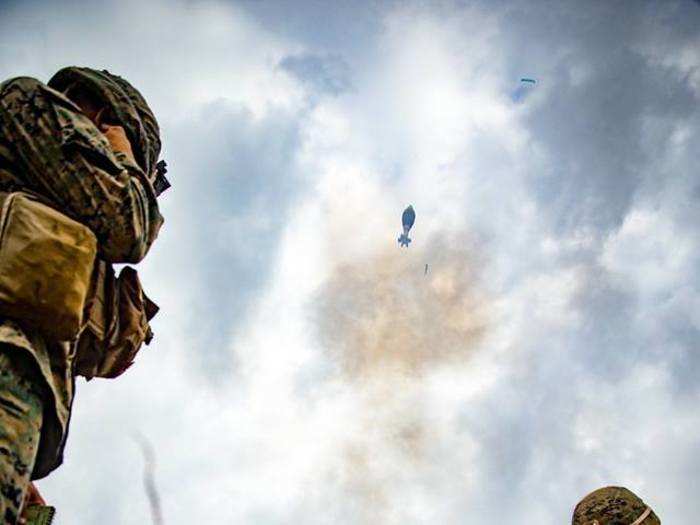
(149, 478)
(388, 325)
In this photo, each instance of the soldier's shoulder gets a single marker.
(26, 83)
(29, 87)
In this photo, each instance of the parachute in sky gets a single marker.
(524, 88)
(407, 220)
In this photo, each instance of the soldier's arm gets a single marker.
(60, 154)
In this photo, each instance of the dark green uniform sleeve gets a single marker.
(58, 153)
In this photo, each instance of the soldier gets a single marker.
(613, 506)
(86, 145)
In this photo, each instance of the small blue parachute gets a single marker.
(525, 86)
(407, 219)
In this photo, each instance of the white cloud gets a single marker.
(649, 250)
(574, 382)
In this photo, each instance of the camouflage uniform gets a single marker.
(21, 409)
(50, 148)
(613, 506)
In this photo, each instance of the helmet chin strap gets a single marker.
(638, 521)
(641, 518)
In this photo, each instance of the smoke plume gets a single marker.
(149, 482)
(385, 315)
(388, 326)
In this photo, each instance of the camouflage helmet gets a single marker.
(613, 506)
(127, 104)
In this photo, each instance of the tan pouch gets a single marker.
(46, 261)
(117, 324)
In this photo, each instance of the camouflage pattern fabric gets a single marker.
(38, 514)
(21, 409)
(55, 363)
(613, 506)
(48, 147)
(127, 104)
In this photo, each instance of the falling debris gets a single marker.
(426, 269)
(407, 220)
(149, 478)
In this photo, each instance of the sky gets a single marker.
(306, 369)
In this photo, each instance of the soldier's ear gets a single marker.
(85, 100)
(98, 118)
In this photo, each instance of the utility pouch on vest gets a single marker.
(117, 324)
(46, 262)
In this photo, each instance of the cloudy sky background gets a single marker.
(305, 370)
